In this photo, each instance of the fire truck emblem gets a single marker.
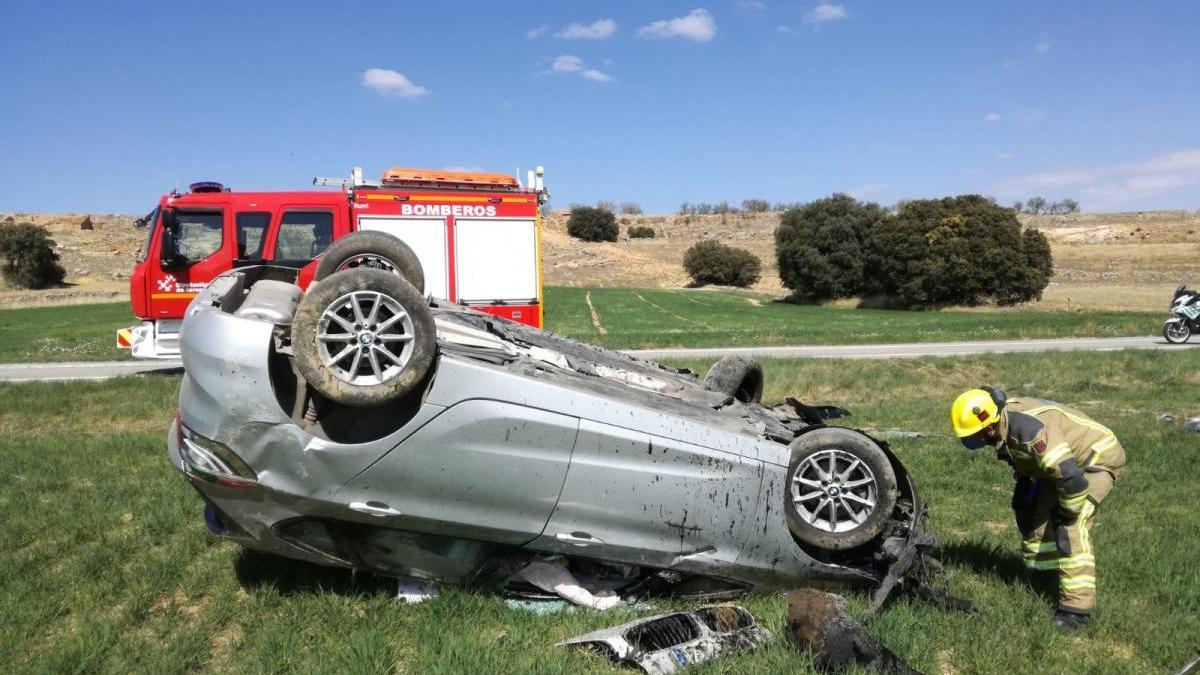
(167, 283)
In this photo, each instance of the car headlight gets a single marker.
(212, 462)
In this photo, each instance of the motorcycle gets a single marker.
(1185, 316)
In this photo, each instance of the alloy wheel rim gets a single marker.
(368, 260)
(834, 491)
(365, 338)
(1178, 331)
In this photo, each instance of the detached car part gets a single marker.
(368, 427)
(668, 643)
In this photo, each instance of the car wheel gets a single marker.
(1176, 331)
(841, 489)
(376, 250)
(738, 376)
(363, 337)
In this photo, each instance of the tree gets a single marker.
(1018, 206)
(963, 250)
(711, 262)
(755, 205)
(631, 208)
(592, 224)
(1035, 205)
(606, 206)
(1070, 206)
(27, 256)
(819, 247)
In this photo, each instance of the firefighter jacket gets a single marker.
(1048, 441)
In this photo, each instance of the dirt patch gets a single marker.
(595, 315)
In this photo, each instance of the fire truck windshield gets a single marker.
(148, 222)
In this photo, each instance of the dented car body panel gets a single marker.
(522, 443)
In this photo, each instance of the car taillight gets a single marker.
(212, 462)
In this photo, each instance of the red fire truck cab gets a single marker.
(478, 236)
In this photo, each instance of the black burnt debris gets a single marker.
(817, 623)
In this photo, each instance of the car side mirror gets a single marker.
(139, 224)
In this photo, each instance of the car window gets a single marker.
(251, 235)
(303, 235)
(199, 234)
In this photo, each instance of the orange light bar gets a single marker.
(403, 175)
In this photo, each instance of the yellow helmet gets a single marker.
(973, 410)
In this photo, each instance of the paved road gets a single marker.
(27, 372)
(99, 370)
(916, 349)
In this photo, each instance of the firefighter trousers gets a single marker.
(1067, 547)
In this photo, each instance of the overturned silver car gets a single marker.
(366, 426)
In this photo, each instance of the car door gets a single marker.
(643, 499)
(483, 469)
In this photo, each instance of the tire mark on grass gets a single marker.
(689, 298)
(595, 315)
(663, 309)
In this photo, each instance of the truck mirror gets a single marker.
(139, 224)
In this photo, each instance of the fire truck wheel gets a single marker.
(364, 337)
(738, 376)
(840, 489)
(378, 250)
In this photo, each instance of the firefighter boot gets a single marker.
(1070, 622)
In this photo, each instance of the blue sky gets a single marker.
(106, 105)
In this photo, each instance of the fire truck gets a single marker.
(477, 236)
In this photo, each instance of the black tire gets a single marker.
(738, 376)
(351, 381)
(371, 249)
(813, 446)
(1181, 334)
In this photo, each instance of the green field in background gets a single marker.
(637, 318)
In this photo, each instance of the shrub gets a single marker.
(711, 262)
(962, 250)
(28, 257)
(631, 208)
(606, 206)
(641, 232)
(592, 224)
(755, 205)
(819, 247)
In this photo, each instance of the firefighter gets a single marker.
(1065, 464)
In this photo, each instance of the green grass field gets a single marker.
(70, 333)
(105, 565)
(643, 318)
(635, 318)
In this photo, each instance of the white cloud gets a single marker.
(599, 29)
(569, 64)
(785, 30)
(867, 191)
(992, 118)
(697, 26)
(826, 11)
(391, 84)
(535, 33)
(594, 75)
(1042, 45)
(1111, 185)
(750, 6)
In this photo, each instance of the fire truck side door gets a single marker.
(427, 238)
(196, 245)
